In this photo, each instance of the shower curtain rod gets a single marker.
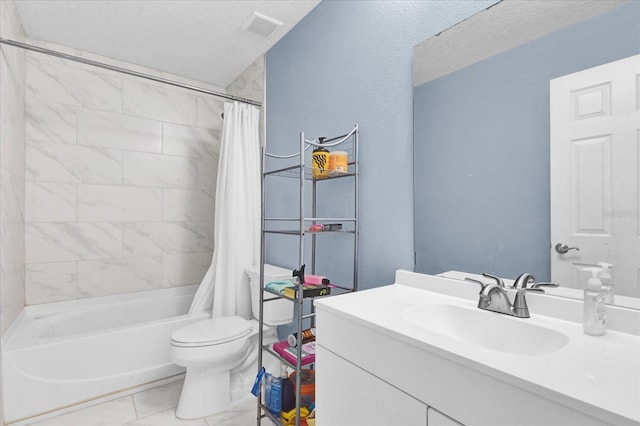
(125, 71)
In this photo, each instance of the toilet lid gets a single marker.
(212, 332)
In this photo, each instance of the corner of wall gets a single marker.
(250, 84)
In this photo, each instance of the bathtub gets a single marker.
(59, 354)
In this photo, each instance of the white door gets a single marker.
(595, 134)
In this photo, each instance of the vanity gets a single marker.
(420, 352)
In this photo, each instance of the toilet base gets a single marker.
(204, 393)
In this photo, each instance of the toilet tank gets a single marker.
(276, 312)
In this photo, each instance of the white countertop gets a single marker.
(597, 375)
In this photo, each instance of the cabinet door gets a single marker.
(436, 418)
(348, 395)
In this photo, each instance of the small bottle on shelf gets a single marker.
(338, 163)
(320, 161)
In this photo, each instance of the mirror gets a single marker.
(482, 131)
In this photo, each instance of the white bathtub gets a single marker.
(60, 354)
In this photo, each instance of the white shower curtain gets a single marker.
(237, 216)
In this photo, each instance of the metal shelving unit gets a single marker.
(299, 226)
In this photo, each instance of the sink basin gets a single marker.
(487, 329)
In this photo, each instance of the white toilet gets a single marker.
(214, 351)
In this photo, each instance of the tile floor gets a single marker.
(152, 407)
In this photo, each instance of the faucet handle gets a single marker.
(549, 284)
(484, 299)
(482, 285)
(473, 280)
(493, 277)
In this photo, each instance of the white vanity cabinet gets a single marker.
(376, 368)
(436, 418)
(355, 397)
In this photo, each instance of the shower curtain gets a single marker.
(237, 216)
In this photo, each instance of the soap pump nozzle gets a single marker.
(594, 282)
(607, 281)
(605, 273)
(605, 266)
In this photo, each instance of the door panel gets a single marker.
(595, 152)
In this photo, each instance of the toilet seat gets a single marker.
(211, 332)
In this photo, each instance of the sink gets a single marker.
(487, 329)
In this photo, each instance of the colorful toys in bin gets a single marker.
(307, 399)
(289, 417)
(279, 395)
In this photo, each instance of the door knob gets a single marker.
(563, 248)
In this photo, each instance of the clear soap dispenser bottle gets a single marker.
(594, 319)
(606, 279)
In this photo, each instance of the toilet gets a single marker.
(223, 351)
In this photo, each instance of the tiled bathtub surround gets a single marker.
(12, 160)
(250, 85)
(120, 181)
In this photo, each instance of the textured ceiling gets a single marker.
(200, 39)
(505, 25)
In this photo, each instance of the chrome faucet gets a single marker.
(520, 308)
(523, 280)
(494, 298)
(528, 279)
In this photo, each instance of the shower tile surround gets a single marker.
(250, 85)
(12, 165)
(120, 180)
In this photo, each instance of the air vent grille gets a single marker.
(261, 24)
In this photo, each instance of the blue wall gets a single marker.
(482, 149)
(350, 62)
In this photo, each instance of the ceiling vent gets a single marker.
(261, 24)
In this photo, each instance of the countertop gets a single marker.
(596, 375)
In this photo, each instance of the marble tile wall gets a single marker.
(12, 161)
(250, 85)
(120, 180)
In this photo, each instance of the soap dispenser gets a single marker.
(607, 282)
(595, 315)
